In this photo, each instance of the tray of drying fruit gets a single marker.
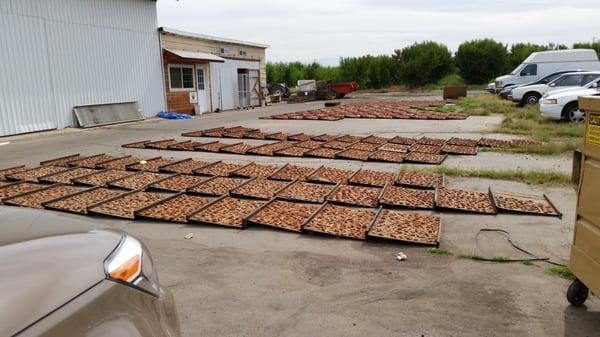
(226, 211)
(219, 168)
(239, 148)
(387, 156)
(462, 200)
(431, 141)
(125, 205)
(491, 142)
(355, 196)
(259, 188)
(80, 201)
(323, 138)
(215, 133)
(309, 144)
(395, 147)
(277, 136)
(300, 137)
(349, 139)
(216, 186)
(523, 203)
(364, 146)
(177, 183)
(10, 170)
(152, 165)
(101, 178)
(459, 149)
(375, 140)
(423, 148)
(67, 176)
(365, 177)
(254, 170)
(403, 140)
(330, 175)
(160, 144)
(33, 174)
(139, 180)
(234, 134)
(175, 208)
(292, 172)
(92, 161)
(210, 147)
(305, 191)
(421, 179)
(119, 163)
(354, 154)
(342, 221)
(395, 196)
(136, 145)
(256, 135)
(462, 141)
(407, 227)
(36, 198)
(336, 145)
(283, 214)
(425, 158)
(14, 189)
(322, 152)
(292, 151)
(186, 166)
(186, 145)
(197, 133)
(62, 161)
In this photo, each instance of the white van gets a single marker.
(540, 64)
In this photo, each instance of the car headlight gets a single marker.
(131, 264)
(550, 101)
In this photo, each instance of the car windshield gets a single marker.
(549, 78)
(590, 84)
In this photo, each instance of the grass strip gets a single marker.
(542, 177)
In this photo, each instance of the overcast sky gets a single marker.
(324, 30)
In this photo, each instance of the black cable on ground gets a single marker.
(533, 256)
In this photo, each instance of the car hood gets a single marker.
(46, 260)
(569, 93)
(523, 88)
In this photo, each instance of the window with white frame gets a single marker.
(181, 77)
(224, 50)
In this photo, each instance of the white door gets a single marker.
(202, 87)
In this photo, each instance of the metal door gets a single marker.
(243, 89)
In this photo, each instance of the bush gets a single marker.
(423, 63)
(479, 61)
(520, 51)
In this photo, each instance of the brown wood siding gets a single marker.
(179, 101)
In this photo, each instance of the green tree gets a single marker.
(479, 61)
(520, 51)
(423, 63)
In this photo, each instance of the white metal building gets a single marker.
(57, 54)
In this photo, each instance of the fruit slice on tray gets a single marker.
(217, 186)
(14, 189)
(126, 205)
(462, 200)
(260, 188)
(387, 156)
(403, 140)
(330, 175)
(220, 169)
(342, 221)
(364, 146)
(178, 183)
(366, 177)
(349, 138)
(305, 191)
(424, 148)
(354, 154)
(292, 172)
(395, 147)
(240, 148)
(356, 195)
(421, 179)
(322, 152)
(36, 198)
(407, 197)
(255, 170)
(459, 149)
(120, 163)
(80, 201)
(102, 178)
(375, 140)
(226, 211)
(283, 214)
(67, 176)
(175, 208)
(523, 203)
(407, 227)
(62, 161)
(33, 174)
(292, 151)
(309, 144)
(336, 145)
(186, 166)
(425, 158)
(139, 180)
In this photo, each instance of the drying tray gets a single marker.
(190, 190)
(174, 198)
(91, 210)
(543, 198)
(390, 238)
(208, 206)
(81, 194)
(91, 161)
(267, 170)
(61, 161)
(33, 174)
(81, 180)
(69, 190)
(391, 205)
(136, 145)
(452, 209)
(350, 203)
(300, 199)
(159, 177)
(157, 185)
(235, 193)
(192, 133)
(313, 177)
(393, 178)
(249, 221)
(400, 183)
(176, 167)
(10, 170)
(119, 163)
(275, 175)
(54, 178)
(160, 144)
(205, 170)
(18, 188)
(325, 205)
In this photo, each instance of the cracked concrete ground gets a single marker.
(262, 282)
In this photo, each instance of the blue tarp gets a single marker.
(173, 115)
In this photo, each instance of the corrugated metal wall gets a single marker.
(224, 82)
(58, 54)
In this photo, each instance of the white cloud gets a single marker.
(325, 30)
